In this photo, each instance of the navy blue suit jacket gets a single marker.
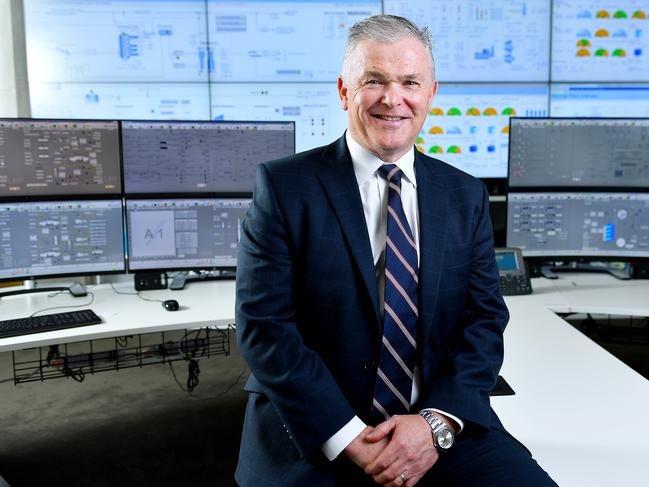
(307, 312)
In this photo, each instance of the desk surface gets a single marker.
(209, 303)
(580, 410)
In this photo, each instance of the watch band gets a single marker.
(433, 421)
(443, 435)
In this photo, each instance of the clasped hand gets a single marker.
(402, 445)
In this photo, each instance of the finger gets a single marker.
(381, 431)
(413, 481)
(387, 457)
(391, 473)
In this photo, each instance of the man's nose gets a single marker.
(392, 95)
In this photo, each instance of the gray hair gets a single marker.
(384, 28)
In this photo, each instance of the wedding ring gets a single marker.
(403, 478)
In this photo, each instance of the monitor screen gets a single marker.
(606, 225)
(595, 152)
(121, 100)
(314, 107)
(599, 100)
(107, 41)
(281, 40)
(468, 125)
(486, 40)
(184, 233)
(59, 157)
(200, 157)
(599, 40)
(44, 239)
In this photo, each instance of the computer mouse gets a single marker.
(171, 305)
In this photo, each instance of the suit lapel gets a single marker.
(339, 182)
(432, 200)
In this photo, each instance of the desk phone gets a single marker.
(514, 279)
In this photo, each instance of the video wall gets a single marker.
(279, 60)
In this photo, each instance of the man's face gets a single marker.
(388, 92)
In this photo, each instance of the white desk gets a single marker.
(207, 303)
(582, 412)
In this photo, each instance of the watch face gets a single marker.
(445, 438)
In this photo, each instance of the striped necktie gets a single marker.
(398, 350)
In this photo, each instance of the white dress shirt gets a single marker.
(374, 195)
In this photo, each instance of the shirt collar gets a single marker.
(366, 163)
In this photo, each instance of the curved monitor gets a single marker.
(59, 158)
(175, 234)
(57, 238)
(200, 157)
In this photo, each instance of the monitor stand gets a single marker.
(549, 271)
(180, 279)
(76, 289)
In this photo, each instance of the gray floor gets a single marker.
(133, 427)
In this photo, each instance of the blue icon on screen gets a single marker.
(609, 232)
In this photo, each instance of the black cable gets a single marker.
(92, 300)
(192, 376)
(136, 294)
(171, 366)
(236, 381)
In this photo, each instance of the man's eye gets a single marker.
(372, 82)
(412, 83)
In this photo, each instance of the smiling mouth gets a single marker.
(388, 118)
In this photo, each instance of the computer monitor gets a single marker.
(176, 234)
(59, 158)
(59, 238)
(200, 157)
(553, 225)
(571, 153)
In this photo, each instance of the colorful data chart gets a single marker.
(599, 44)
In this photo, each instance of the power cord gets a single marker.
(136, 294)
(90, 293)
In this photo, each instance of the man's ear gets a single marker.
(433, 93)
(342, 93)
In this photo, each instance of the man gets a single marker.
(368, 306)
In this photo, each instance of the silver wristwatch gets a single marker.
(443, 436)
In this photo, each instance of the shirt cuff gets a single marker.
(339, 441)
(454, 418)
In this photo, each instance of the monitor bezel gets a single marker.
(130, 270)
(35, 277)
(100, 196)
(190, 194)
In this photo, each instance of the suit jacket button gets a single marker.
(369, 366)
